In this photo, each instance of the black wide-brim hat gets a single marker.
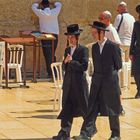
(98, 25)
(138, 8)
(73, 29)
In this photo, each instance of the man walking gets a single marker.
(105, 91)
(75, 87)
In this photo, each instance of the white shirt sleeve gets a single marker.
(35, 9)
(47, 11)
(116, 36)
(57, 9)
(117, 21)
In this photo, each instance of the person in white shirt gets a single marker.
(105, 17)
(47, 12)
(124, 22)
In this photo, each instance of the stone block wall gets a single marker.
(17, 15)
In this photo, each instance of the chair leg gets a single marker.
(60, 100)
(18, 74)
(1, 75)
(7, 73)
(55, 99)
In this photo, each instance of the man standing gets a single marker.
(105, 91)
(135, 52)
(47, 12)
(75, 87)
(111, 34)
(124, 25)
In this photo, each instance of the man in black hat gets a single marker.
(75, 87)
(135, 52)
(104, 98)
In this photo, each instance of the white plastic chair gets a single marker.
(15, 60)
(2, 56)
(125, 75)
(58, 80)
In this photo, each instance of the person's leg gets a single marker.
(64, 133)
(47, 52)
(114, 126)
(48, 59)
(66, 121)
(89, 127)
(137, 80)
(66, 126)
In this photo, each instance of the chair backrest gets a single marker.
(2, 52)
(15, 54)
(57, 73)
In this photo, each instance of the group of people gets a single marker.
(104, 96)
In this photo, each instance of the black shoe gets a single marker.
(81, 137)
(137, 96)
(114, 138)
(62, 135)
(94, 132)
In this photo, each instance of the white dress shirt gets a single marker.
(72, 50)
(102, 45)
(112, 34)
(48, 18)
(126, 27)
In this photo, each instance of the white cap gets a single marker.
(123, 3)
(107, 13)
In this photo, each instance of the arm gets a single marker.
(117, 21)
(115, 36)
(46, 11)
(133, 41)
(65, 64)
(117, 57)
(56, 10)
(36, 9)
(80, 67)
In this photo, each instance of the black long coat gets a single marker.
(75, 87)
(135, 48)
(105, 91)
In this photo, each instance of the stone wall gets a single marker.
(17, 15)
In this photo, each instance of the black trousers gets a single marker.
(137, 80)
(47, 52)
(89, 126)
(69, 110)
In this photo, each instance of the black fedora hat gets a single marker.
(73, 29)
(98, 25)
(138, 8)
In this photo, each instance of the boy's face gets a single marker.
(72, 39)
(94, 33)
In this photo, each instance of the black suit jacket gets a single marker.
(75, 87)
(105, 90)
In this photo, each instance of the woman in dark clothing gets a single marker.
(135, 52)
(75, 87)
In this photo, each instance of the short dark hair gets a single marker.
(138, 8)
(45, 3)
